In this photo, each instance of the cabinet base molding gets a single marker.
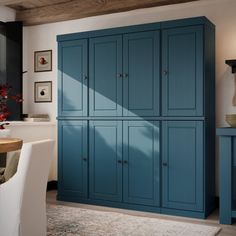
(136, 207)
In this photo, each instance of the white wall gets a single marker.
(221, 13)
(7, 14)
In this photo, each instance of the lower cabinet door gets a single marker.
(73, 162)
(105, 150)
(141, 168)
(182, 165)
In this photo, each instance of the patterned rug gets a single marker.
(70, 221)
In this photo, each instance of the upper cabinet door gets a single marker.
(141, 68)
(105, 61)
(182, 71)
(72, 71)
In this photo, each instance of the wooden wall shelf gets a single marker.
(232, 63)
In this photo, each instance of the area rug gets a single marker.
(70, 221)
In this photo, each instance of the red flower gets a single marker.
(5, 95)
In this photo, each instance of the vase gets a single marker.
(5, 133)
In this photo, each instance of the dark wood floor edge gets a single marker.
(52, 185)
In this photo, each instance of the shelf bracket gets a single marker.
(231, 63)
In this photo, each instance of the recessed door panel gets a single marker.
(182, 71)
(182, 165)
(141, 169)
(73, 159)
(105, 150)
(141, 60)
(72, 87)
(105, 76)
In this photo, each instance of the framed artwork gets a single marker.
(43, 91)
(43, 61)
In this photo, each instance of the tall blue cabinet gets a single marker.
(136, 108)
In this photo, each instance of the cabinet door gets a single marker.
(105, 76)
(182, 165)
(182, 71)
(141, 62)
(73, 163)
(105, 150)
(141, 168)
(72, 71)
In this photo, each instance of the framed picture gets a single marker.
(43, 61)
(43, 91)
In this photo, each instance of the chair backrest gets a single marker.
(25, 192)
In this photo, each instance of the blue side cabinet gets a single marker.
(227, 137)
(73, 160)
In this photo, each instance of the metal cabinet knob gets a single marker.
(125, 75)
(84, 159)
(164, 163)
(119, 75)
(125, 162)
(119, 161)
(165, 72)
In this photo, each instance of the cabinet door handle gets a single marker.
(119, 75)
(119, 161)
(85, 77)
(84, 159)
(125, 162)
(164, 163)
(165, 72)
(125, 75)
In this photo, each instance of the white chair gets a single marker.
(23, 197)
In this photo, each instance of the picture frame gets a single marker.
(43, 61)
(43, 91)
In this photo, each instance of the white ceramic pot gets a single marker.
(5, 133)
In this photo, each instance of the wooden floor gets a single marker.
(226, 230)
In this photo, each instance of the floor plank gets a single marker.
(213, 219)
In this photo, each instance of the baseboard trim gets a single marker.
(52, 185)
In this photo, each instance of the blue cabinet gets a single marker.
(73, 74)
(139, 103)
(227, 141)
(182, 165)
(73, 159)
(141, 167)
(105, 151)
(182, 71)
(141, 74)
(105, 60)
